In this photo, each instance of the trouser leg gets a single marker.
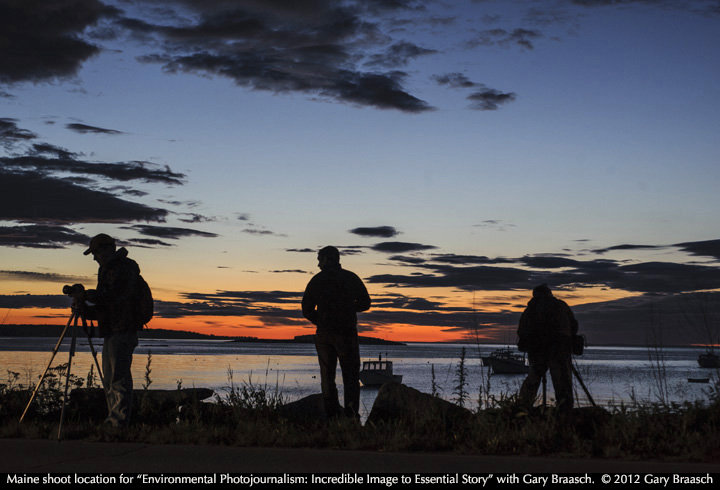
(349, 354)
(529, 388)
(117, 355)
(561, 373)
(327, 358)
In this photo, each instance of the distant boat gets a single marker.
(698, 380)
(376, 373)
(506, 361)
(709, 360)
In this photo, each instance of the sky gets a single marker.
(458, 153)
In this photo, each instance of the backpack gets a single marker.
(145, 305)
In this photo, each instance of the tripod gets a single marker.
(73, 320)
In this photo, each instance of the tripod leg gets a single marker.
(94, 354)
(55, 351)
(577, 376)
(67, 377)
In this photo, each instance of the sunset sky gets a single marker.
(457, 152)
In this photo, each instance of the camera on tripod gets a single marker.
(76, 291)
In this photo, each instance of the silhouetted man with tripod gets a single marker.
(331, 302)
(547, 327)
(115, 306)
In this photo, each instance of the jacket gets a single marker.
(117, 294)
(332, 299)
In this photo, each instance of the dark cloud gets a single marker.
(120, 171)
(399, 54)
(495, 224)
(545, 16)
(55, 151)
(469, 259)
(707, 248)
(148, 243)
(196, 218)
(51, 184)
(667, 277)
(40, 236)
(282, 47)
(476, 273)
(652, 319)
(62, 201)
(549, 262)
(473, 278)
(262, 232)
(490, 99)
(85, 129)
(627, 247)
(169, 232)
(455, 80)
(408, 260)
(483, 98)
(703, 7)
(276, 308)
(42, 276)
(266, 304)
(42, 40)
(501, 37)
(400, 247)
(376, 231)
(11, 134)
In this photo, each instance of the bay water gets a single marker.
(612, 375)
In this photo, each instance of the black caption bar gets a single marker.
(474, 480)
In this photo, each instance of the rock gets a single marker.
(308, 409)
(396, 402)
(588, 420)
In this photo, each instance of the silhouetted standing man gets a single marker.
(116, 308)
(331, 301)
(546, 329)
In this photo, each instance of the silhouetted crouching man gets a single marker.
(545, 332)
(116, 310)
(331, 302)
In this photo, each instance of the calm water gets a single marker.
(612, 374)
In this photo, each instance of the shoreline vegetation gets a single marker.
(402, 419)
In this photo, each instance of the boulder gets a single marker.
(396, 402)
(308, 409)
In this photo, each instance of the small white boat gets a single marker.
(505, 361)
(376, 373)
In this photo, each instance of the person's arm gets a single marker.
(362, 298)
(309, 303)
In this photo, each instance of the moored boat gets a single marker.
(506, 361)
(709, 360)
(376, 373)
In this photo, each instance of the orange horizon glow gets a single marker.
(253, 327)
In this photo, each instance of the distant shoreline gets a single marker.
(161, 333)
